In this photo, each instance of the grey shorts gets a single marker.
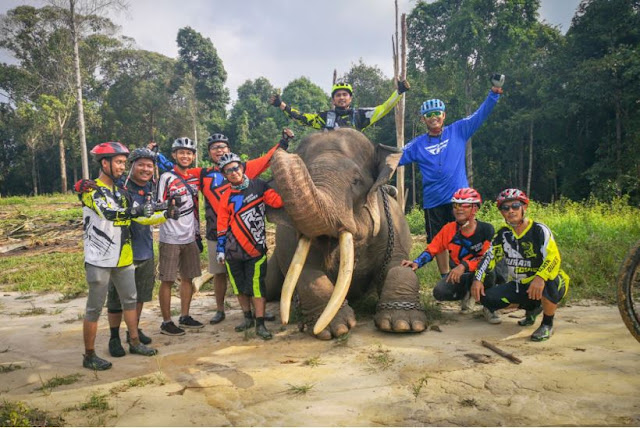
(98, 279)
(214, 267)
(182, 257)
(145, 273)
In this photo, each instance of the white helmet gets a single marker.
(183, 143)
(228, 158)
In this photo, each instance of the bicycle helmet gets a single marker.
(109, 150)
(183, 143)
(142, 153)
(228, 158)
(432, 105)
(342, 86)
(466, 195)
(512, 195)
(217, 138)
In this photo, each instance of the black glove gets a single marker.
(147, 207)
(403, 86)
(275, 100)
(287, 135)
(497, 80)
(199, 243)
(84, 186)
(172, 212)
(134, 211)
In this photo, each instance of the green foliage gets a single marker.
(57, 381)
(18, 414)
(62, 272)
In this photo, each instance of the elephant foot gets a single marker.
(341, 324)
(400, 317)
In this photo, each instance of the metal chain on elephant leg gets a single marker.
(390, 241)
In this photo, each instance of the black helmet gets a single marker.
(217, 138)
(142, 153)
(183, 143)
(228, 158)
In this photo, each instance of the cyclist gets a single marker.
(466, 239)
(440, 155)
(535, 280)
(342, 115)
(212, 184)
(140, 187)
(107, 214)
(242, 241)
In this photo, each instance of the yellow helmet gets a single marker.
(342, 86)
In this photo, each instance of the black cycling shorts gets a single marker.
(435, 218)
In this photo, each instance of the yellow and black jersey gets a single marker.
(532, 253)
(344, 118)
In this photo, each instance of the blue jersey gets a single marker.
(141, 235)
(442, 158)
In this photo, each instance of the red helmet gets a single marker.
(512, 195)
(109, 150)
(467, 195)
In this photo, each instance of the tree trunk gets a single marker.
(469, 145)
(63, 164)
(34, 173)
(76, 66)
(521, 165)
(530, 158)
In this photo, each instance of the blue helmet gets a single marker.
(431, 105)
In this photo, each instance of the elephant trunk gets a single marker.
(312, 211)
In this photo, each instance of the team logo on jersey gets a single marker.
(437, 148)
(254, 220)
(527, 250)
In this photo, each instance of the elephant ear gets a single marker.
(385, 164)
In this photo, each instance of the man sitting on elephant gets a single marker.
(351, 236)
(342, 115)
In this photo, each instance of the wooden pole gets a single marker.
(400, 73)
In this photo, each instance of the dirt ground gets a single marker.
(587, 374)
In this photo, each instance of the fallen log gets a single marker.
(502, 353)
(12, 247)
(201, 280)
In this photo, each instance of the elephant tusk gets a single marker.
(342, 283)
(293, 274)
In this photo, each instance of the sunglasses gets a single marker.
(231, 170)
(431, 114)
(457, 205)
(218, 147)
(515, 206)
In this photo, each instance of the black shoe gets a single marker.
(218, 317)
(188, 322)
(142, 349)
(94, 362)
(144, 339)
(268, 316)
(530, 317)
(170, 329)
(246, 324)
(262, 331)
(544, 332)
(115, 347)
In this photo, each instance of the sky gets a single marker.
(281, 39)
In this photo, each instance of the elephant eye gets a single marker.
(356, 181)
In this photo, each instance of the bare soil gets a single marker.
(587, 374)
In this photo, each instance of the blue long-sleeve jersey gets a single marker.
(442, 159)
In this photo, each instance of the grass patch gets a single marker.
(9, 368)
(95, 401)
(312, 362)
(468, 402)
(416, 388)
(299, 389)
(137, 383)
(342, 340)
(18, 414)
(57, 381)
(33, 312)
(381, 358)
(79, 317)
(44, 273)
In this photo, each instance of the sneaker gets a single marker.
(142, 349)
(94, 362)
(544, 332)
(491, 317)
(144, 339)
(530, 317)
(218, 317)
(467, 303)
(268, 316)
(188, 322)
(262, 331)
(247, 323)
(115, 347)
(170, 329)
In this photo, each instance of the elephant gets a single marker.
(343, 236)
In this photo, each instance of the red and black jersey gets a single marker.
(465, 250)
(241, 218)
